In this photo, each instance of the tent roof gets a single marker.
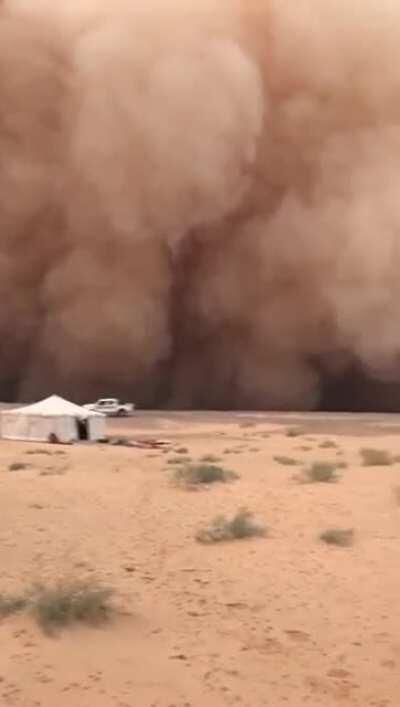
(55, 406)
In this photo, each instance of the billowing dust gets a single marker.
(199, 201)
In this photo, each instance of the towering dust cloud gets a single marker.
(200, 202)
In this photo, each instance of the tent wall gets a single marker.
(96, 428)
(38, 428)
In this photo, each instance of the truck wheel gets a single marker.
(121, 413)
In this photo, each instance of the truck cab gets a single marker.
(111, 407)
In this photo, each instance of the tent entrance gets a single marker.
(82, 429)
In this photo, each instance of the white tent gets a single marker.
(52, 419)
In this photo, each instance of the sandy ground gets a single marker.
(281, 620)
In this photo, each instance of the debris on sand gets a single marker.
(139, 443)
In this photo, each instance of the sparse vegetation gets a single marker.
(11, 604)
(338, 536)
(294, 432)
(179, 460)
(196, 474)
(181, 450)
(239, 527)
(210, 459)
(40, 451)
(376, 457)
(17, 466)
(328, 444)
(342, 465)
(61, 605)
(285, 461)
(53, 472)
(68, 603)
(245, 425)
(321, 472)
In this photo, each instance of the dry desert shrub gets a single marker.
(40, 451)
(321, 472)
(285, 461)
(17, 466)
(179, 460)
(210, 459)
(328, 444)
(338, 536)
(376, 457)
(70, 602)
(294, 432)
(197, 474)
(11, 604)
(239, 527)
(61, 605)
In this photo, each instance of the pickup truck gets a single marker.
(111, 407)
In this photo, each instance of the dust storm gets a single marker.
(200, 202)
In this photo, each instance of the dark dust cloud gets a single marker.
(200, 202)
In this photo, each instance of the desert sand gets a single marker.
(278, 620)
